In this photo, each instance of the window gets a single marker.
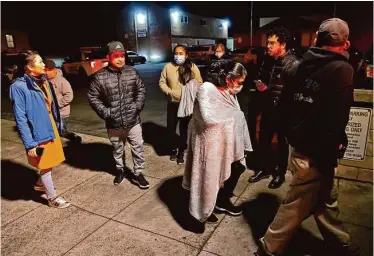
(203, 22)
(184, 19)
(9, 41)
(220, 25)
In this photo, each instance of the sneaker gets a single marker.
(119, 177)
(58, 202)
(350, 250)
(180, 159)
(174, 155)
(227, 207)
(140, 181)
(212, 219)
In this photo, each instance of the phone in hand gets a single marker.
(39, 151)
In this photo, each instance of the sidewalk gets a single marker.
(124, 220)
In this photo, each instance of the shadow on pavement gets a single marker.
(260, 212)
(92, 156)
(177, 200)
(157, 137)
(17, 182)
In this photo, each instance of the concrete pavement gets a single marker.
(124, 220)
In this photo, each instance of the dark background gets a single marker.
(57, 27)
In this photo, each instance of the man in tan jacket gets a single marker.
(173, 77)
(64, 95)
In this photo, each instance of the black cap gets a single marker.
(115, 46)
(50, 64)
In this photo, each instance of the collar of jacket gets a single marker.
(115, 71)
(32, 81)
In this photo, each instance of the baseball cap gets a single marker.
(115, 46)
(50, 64)
(333, 32)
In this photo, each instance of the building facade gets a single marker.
(153, 31)
(12, 40)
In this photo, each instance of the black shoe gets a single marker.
(258, 176)
(277, 181)
(119, 177)
(140, 181)
(261, 249)
(212, 219)
(174, 155)
(180, 159)
(350, 250)
(227, 207)
(77, 139)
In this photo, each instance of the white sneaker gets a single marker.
(58, 202)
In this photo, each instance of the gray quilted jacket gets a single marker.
(117, 96)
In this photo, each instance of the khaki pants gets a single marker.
(312, 192)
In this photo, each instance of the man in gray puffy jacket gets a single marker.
(64, 95)
(117, 94)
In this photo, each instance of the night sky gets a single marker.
(60, 27)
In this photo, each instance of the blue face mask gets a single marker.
(179, 59)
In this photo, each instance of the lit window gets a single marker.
(184, 19)
(203, 22)
(9, 41)
(220, 25)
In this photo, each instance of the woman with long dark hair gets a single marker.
(174, 76)
(218, 138)
(38, 121)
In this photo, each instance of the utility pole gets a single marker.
(334, 14)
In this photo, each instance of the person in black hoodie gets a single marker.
(317, 100)
(270, 86)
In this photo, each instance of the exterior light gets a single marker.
(140, 18)
(225, 24)
(155, 57)
(175, 15)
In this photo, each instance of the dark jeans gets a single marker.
(271, 124)
(65, 132)
(172, 121)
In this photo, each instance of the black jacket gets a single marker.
(270, 73)
(117, 96)
(317, 100)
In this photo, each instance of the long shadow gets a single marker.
(157, 137)
(92, 156)
(177, 200)
(17, 182)
(260, 212)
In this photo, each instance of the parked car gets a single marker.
(85, 62)
(134, 57)
(200, 54)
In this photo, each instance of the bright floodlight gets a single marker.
(175, 15)
(225, 24)
(141, 18)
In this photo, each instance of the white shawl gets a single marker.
(188, 98)
(217, 136)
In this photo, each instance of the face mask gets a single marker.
(219, 55)
(235, 89)
(179, 59)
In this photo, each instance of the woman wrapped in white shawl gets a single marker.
(217, 140)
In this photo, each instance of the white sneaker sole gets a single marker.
(227, 211)
(140, 186)
(60, 207)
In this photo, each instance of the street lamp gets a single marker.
(140, 17)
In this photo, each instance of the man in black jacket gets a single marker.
(269, 88)
(317, 100)
(117, 95)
